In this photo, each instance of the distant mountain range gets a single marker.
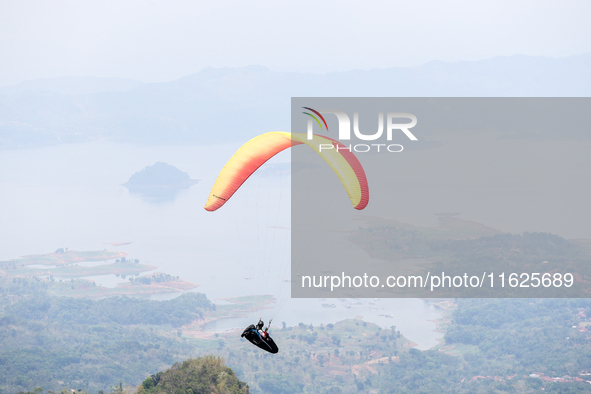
(232, 104)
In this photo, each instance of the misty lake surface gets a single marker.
(72, 196)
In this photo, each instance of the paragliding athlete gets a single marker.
(253, 154)
(259, 326)
(260, 337)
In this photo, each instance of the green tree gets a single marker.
(203, 375)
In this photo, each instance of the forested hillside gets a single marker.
(202, 375)
(504, 346)
(59, 341)
(119, 344)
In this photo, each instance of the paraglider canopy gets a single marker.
(258, 150)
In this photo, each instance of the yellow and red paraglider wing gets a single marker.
(258, 150)
(344, 163)
(245, 161)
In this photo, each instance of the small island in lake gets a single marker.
(159, 182)
(159, 176)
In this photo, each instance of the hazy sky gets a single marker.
(165, 40)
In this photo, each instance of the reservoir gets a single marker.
(71, 195)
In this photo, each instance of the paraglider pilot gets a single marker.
(259, 336)
(259, 327)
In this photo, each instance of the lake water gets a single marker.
(71, 196)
